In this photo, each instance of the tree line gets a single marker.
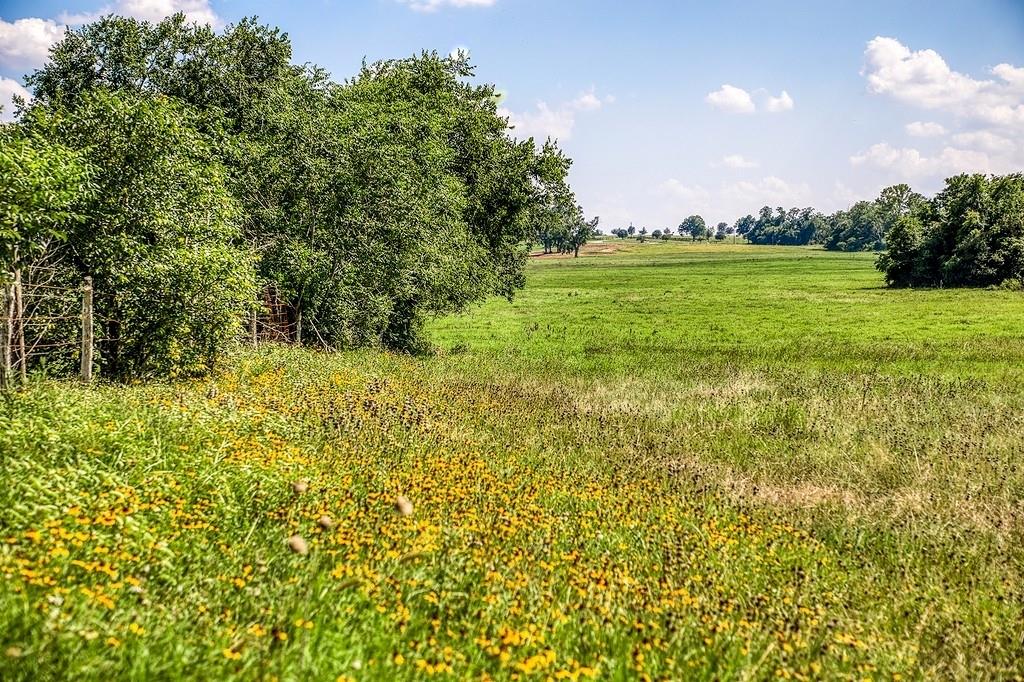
(969, 234)
(186, 169)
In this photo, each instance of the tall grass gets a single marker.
(671, 461)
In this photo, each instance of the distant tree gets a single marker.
(656, 234)
(694, 226)
(632, 230)
(794, 227)
(894, 203)
(666, 234)
(745, 224)
(721, 230)
(643, 233)
(857, 229)
(580, 232)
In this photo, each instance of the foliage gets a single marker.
(744, 225)
(370, 205)
(858, 229)
(970, 234)
(695, 227)
(41, 184)
(156, 234)
(794, 227)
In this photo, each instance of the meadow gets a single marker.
(661, 460)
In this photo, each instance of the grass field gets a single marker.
(663, 460)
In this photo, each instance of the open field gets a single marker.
(680, 461)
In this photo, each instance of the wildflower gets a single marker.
(231, 654)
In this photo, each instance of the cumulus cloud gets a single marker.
(781, 103)
(911, 163)
(737, 161)
(434, 5)
(925, 129)
(8, 90)
(731, 200)
(731, 99)
(25, 43)
(545, 121)
(736, 100)
(987, 141)
(197, 11)
(922, 78)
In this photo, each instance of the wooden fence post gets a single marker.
(6, 335)
(87, 330)
(298, 328)
(19, 326)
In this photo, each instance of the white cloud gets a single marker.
(1013, 75)
(694, 195)
(986, 141)
(738, 161)
(924, 79)
(542, 123)
(731, 200)
(8, 89)
(731, 99)
(26, 42)
(197, 11)
(911, 163)
(925, 129)
(556, 123)
(781, 103)
(434, 5)
(768, 191)
(587, 101)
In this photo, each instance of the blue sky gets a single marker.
(827, 101)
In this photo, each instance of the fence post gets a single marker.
(87, 330)
(19, 326)
(298, 328)
(6, 335)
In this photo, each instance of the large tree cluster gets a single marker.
(970, 234)
(190, 168)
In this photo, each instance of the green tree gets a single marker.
(372, 204)
(42, 185)
(157, 233)
(695, 227)
(970, 234)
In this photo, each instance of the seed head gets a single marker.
(298, 545)
(403, 506)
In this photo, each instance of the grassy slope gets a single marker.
(688, 461)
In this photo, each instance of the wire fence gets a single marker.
(49, 324)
